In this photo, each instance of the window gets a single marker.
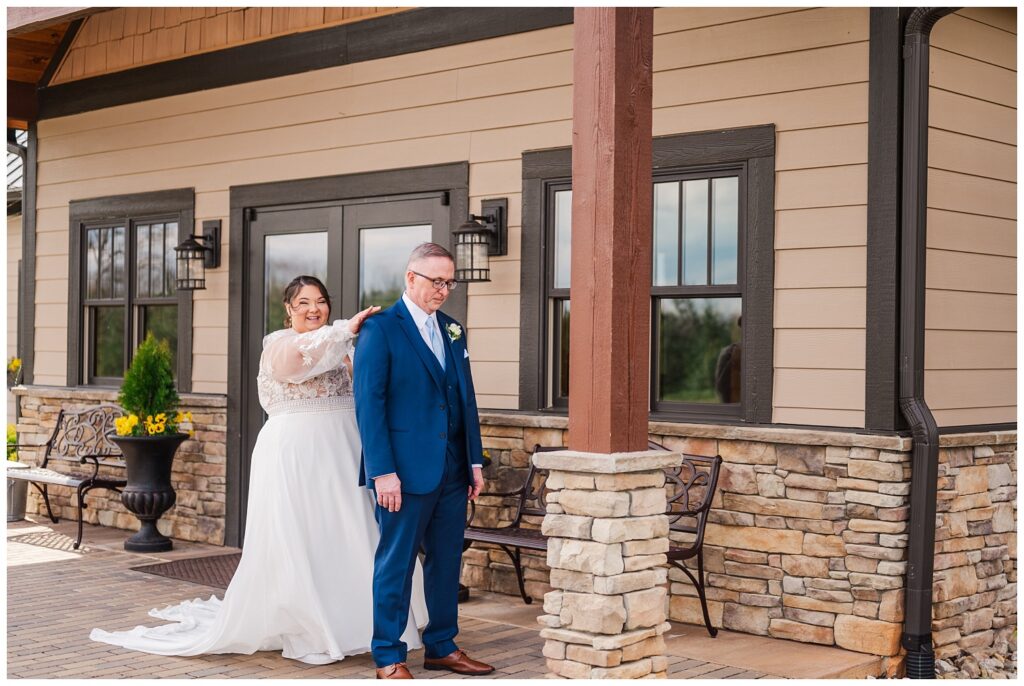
(711, 209)
(124, 287)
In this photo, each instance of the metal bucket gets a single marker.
(17, 493)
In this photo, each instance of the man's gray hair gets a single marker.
(425, 250)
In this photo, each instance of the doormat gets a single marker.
(212, 570)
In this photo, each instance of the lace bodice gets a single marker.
(307, 371)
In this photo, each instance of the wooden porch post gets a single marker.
(609, 345)
(605, 519)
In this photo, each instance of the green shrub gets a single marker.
(12, 440)
(148, 390)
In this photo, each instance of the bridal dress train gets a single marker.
(304, 582)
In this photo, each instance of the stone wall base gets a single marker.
(807, 539)
(199, 472)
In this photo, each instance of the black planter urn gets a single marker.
(149, 492)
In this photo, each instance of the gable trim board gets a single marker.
(372, 39)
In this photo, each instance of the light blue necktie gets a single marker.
(435, 341)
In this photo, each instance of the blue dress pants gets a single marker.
(436, 522)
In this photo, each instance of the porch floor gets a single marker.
(56, 595)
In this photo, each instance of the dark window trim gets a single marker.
(27, 292)
(755, 147)
(179, 203)
(370, 39)
(452, 178)
(885, 108)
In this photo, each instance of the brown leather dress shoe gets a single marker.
(395, 671)
(460, 663)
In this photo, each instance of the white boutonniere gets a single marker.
(454, 332)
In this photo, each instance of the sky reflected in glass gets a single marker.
(382, 256)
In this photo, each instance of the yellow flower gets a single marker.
(153, 429)
(14, 364)
(123, 426)
(133, 420)
(191, 433)
(160, 418)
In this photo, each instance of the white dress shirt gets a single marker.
(420, 318)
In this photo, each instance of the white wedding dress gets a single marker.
(304, 583)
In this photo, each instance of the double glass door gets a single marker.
(358, 248)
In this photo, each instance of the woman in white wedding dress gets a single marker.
(304, 583)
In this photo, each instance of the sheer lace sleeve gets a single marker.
(299, 357)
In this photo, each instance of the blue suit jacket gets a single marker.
(400, 401)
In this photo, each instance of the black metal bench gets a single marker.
(691, 487)
(78, 438)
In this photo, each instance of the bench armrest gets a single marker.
(497, 494)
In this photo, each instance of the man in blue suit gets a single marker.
(422, 456)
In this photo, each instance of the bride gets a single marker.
(303, 585)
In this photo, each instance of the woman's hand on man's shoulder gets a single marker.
(356, 322)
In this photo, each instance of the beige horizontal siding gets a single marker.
(955, 152)
(823, 417)
(814, 308)
(820, 267)
(971, 233)
(971, 326)
(820, 349)
(976, 415)
(982, 42)
(821, 227)
(827, 147)
(959, 74)
(804, 70)
(830, 389)
(970, 311)
(953, 349)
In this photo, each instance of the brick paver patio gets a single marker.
(56, 595)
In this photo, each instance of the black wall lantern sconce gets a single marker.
(194, 257)
(480, 237)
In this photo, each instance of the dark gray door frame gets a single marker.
(451, 179)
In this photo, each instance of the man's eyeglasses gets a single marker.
(439, 283)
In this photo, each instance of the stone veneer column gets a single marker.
(608, 535)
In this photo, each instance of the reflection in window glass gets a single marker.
(92, 263)
(156, 259)
(666, 234)
(142, 260)
(725, 229)
(382, 254)
(106, 264)
(154, 246)
(289, 255)
(108, 341)
(170, 268)
(563, 238)
(562, 328)
(695, 232)
(699, 350)
(162, 322)
(119, 262)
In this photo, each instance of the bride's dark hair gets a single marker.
(297, 284)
